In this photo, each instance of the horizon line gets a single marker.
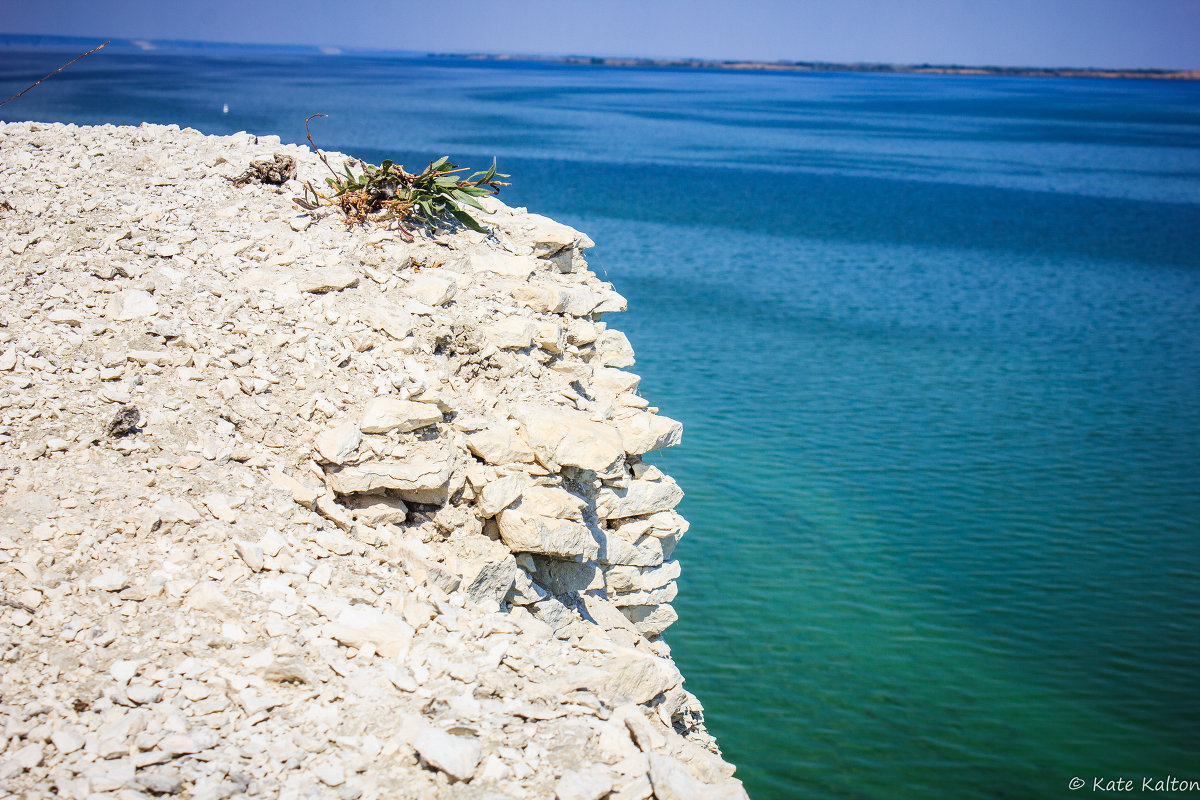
(147, 45)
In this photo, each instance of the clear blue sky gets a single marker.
(1096, 33)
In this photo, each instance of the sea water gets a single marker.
(934, 341)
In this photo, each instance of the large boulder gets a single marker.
(638, 498)
(499, 445)
(423, 475)
(510, 333)
(630, 674)
(525, 532)
(568, 437)
(642, 432)
(651, 620)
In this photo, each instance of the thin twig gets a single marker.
(320, 155)
(15, 604)
(52, 74)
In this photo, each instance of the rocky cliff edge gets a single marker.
(291, 509)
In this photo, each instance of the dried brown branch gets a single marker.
(277, 172)
(52, 74)
(317, 150)
(15, 604)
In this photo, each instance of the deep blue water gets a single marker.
(935, 344)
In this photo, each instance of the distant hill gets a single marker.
(825, 66)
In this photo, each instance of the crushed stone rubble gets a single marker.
(290, 509)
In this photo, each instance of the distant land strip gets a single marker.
(825, 66)
(17, 41)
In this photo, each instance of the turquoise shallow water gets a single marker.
(934, 341)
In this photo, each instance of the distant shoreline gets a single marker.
(34, 41)
(825, 66)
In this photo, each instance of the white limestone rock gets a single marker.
(492, 581)
(581, 301)
(396, 324)
(524, 532)
(539, 297)
(626, 579)
(659, 576)
(511, 333)
(665, 524)
(170, 509)
(524, 591)
(642, 432)
(109, 580)
(640, 497)
(563, 436)
(630, 674)
(432, 289)
(623, 578)
(67, 740)
(329, 279)
(384, 414)
(498, 444)
(65, 316)
(551, 338)
(332, 775)
(21, 759)
(230, 248)
(611, 382)
(504, 264)
(375, 510)
(584, 784)
(158, 357)
(552, 501)
(417, 559)
(336, 445)
(647, 551)
(123, 670)
(457, 756)
(651, 620)
(251, 553)
(564, 621)
(267, 619)
(548, 237)
(562, 577)
(359, 625)
(140, 694)
(422, 477)
(132, 304)
(672, 780)
(301, 492)
(636, 787)
(499, 494)
(612, 349)
(659, 596)
(207, 596)
(581, 332)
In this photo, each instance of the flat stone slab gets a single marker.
(422, 477)
(568, 437)
(640, 497)
(533, 533)
(384, 414)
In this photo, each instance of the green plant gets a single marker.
(434, 193)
